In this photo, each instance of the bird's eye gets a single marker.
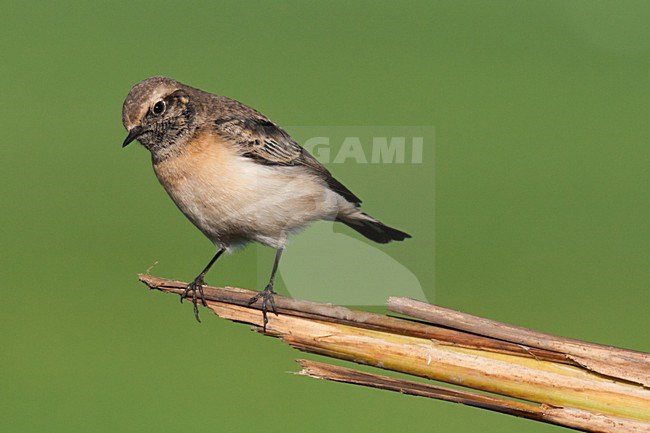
(158, 108)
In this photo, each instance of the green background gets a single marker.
(540, 187)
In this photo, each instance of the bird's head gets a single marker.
(158, 113)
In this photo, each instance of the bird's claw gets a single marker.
(194, 286)
(267, 299)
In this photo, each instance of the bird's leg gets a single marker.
(197, 285)
(267, 294)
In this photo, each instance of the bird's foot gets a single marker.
(267, 299)
(195, 286)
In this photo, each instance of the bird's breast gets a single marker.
(233, 199)
(199, 179)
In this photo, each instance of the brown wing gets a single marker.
(266, 143)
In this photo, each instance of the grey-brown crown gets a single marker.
(143, 95)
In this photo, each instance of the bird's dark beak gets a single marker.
(134, 133)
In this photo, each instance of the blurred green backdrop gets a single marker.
(541, 196)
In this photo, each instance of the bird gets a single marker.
(236, 175)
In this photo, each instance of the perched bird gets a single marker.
(236, 175)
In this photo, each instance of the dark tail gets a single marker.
(371, 228)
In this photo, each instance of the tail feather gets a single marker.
(371, 228)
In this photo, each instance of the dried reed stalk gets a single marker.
(568, 382)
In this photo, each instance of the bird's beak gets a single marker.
(134, 133)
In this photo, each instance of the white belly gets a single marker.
(237, 200)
